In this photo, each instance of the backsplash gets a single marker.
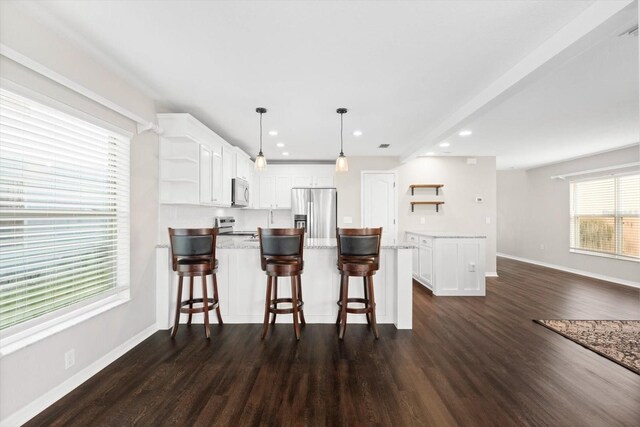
(186, 216)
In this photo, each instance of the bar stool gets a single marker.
(193, 254)
(358, 255)
(281, 256)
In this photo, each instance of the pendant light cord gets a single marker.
(341, 124)
(260, 134)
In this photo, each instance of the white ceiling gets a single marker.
(400, 67)
(587, 105)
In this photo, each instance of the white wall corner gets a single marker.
(44, 401)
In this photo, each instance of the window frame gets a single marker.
(23, 334)
(616, 216)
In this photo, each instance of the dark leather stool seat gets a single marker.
(358, 255)
(281, 256)
(193, 254)
(195, 266)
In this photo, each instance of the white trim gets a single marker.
(574, 271)
(65, 108)
(395, 196)
(44, 401)
(16, 338)
(608, 168)
(491, 274)
(70, 84)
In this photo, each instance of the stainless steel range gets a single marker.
(226, 226)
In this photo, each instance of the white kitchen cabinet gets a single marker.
(312, 176)
(205, 176)
(196, 165)
(243, 168)
(228, 161)
(412, 238)
(283, 192)
(216, 177)
(267, 191)
(450, 263)
(426, 265)
(275, 191)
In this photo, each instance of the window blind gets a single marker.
(64, 210)
(605, 216)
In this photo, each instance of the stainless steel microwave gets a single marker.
(239, 192)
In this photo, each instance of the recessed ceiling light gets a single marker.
(357, 133)
(273, 132)
(285, 153)
(444, 144)
(280, 144)
(464, 133)
(430, 153)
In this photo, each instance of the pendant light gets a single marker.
(341, 162)
(261, 161)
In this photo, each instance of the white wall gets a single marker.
(462, 184)
(348, 185)
(29, 373)
(533, 210)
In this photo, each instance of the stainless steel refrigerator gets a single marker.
(315, 209)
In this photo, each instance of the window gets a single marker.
(64, 212)
(605, 216)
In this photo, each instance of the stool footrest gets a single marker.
(211, 305)
(273, 307)
(353, 310)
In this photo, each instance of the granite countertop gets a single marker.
(447, 234)
(243, 242)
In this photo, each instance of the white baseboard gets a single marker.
(491, 274)
(573, 270)
(43, 402)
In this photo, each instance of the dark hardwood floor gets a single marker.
(468, 361)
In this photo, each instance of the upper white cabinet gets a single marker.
(312, 175)
(196, 165)
(228, 172)
(275, 191)
(276, 182)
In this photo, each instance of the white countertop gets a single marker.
(244, 242)
(447, 234)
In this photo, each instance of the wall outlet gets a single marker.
(472, 267)
(347, 220)
(423, 220)
(488, 220)
(69, 358)
(542, 246)
(479, 199)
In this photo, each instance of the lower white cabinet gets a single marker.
(449, 263)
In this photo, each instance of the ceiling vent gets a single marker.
(383, 145)
(631, 32)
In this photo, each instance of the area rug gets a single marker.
(617, 340)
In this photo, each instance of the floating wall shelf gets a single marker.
(437, 204)
(436, 186)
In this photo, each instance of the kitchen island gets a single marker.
(449, 263)
(242, 284)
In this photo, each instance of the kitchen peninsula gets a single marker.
(242, 284)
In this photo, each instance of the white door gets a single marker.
(379, 202)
